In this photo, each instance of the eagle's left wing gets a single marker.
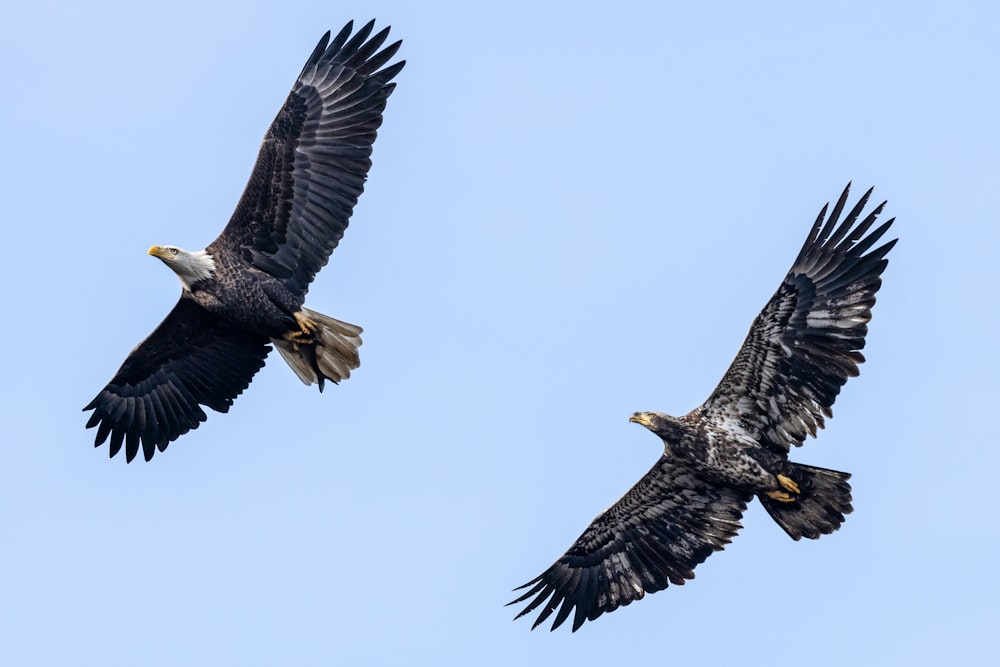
(807, 340)
(314, 159)
(655, 535)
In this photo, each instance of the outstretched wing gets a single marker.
(313, 162)
(190, 359)
(653, 536)
(806, 341)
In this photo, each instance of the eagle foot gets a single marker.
(308, 326)
(305, 334)
(789, 493)
(781, 496)
(788, 484)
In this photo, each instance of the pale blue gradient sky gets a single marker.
(575, 212)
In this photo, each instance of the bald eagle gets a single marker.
(800, 351)
(247, 288)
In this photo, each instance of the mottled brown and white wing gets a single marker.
(807, 340)
(655, 535)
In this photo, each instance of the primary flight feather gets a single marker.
(800, 351)
(248, 287)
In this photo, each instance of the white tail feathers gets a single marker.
(331, 357)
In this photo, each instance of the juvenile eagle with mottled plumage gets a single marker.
(248, 287)
(800, 351)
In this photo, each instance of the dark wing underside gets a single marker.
(807, 340)
(313, 161)
(653, 536)
(190, 360)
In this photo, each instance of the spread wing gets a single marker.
(653, 536)
(190, 359)
(806, 341)
(313, 161)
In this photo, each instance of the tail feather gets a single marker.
(819, 509)
(332, 356)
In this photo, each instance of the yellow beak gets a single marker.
(639, 418)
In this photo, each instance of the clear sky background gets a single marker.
(575, 212)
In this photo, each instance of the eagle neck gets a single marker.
(200, 265)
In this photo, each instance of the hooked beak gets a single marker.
(640, 418)
(158, 251)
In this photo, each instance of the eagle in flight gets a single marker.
(800, 351)
(248, 287)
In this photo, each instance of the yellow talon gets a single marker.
(788, 484)
(308, 326)
(305, 334)
(780, 496)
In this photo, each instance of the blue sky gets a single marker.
(575, 211)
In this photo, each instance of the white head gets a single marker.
(190, 267)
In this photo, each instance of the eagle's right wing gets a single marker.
(655, 535)
(190, 359)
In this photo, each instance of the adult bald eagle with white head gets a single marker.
(801, 349)
(248, 287)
